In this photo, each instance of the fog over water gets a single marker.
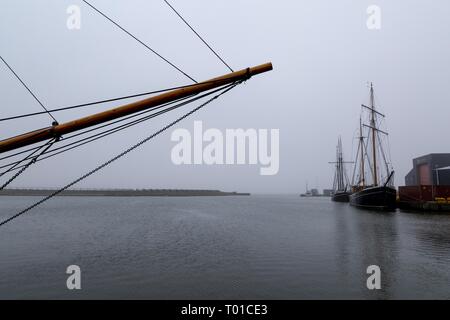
(259, 247)
(323, 54)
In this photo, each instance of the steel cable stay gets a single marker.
(29, 90)
(178, 104)
(198, 35)
(139, 41)
(122, 154)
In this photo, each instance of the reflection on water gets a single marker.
(259, 247)
(367, 238)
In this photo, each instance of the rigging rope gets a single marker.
(380, 146)
(14, 164)
(142, 43)
(29, 90)
(199, 36)
(117, 157)
(33, 160)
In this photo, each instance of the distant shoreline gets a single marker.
(121, 193)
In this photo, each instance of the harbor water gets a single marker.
(256, 247)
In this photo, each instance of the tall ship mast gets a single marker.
(372, 189)
(340, 183)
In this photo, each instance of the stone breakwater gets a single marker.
(121, 193)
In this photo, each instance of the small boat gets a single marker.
(340, 183)
(380, 192)
(308, 193)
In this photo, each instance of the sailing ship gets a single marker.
(374, 190)
(340, 183)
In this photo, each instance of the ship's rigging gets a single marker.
(373, 189)
(340, 181)
(371, 154)
(97, 126)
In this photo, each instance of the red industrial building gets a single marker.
(428, 180)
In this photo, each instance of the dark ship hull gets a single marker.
(382, 198)
(341, 196)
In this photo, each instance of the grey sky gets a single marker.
(323, 56)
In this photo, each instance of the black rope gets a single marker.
(117, 157)
(26, 87)
(15, 164)
(142, 43)
(33, 160)
(199, 36)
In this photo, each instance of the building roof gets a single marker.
(433, 155)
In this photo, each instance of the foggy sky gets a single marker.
(323, 56)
